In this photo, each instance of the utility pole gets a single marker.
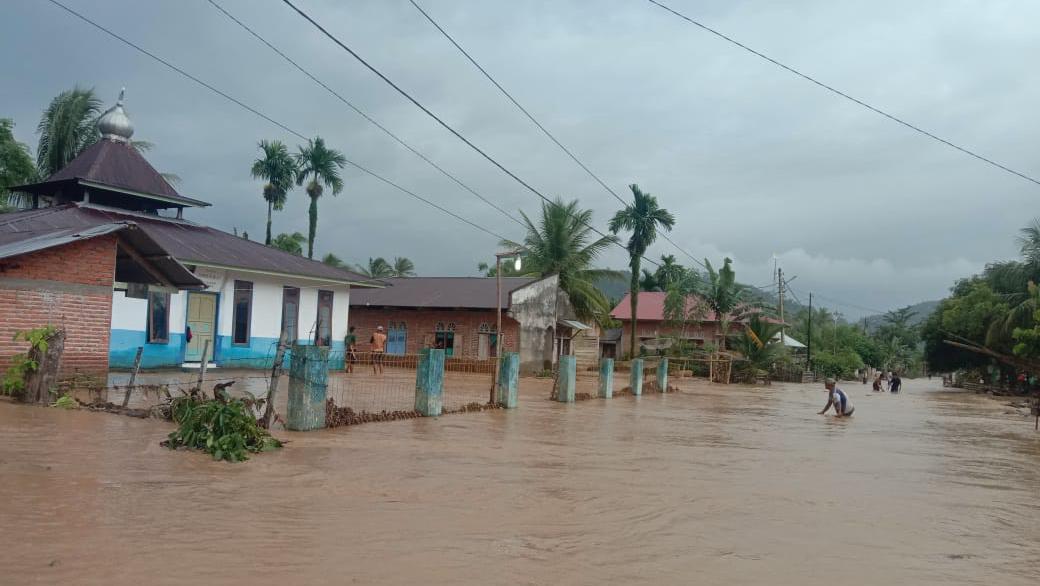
(808, 343)
(780, 285)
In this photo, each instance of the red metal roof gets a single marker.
(651, 308)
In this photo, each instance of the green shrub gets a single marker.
(223, 427)
(64, 402)
(21, 365)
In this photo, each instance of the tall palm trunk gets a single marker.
(270, 206)
(313, 213)
(634, 304)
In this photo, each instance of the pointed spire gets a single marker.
(114, 124)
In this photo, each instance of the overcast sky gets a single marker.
(751, 159)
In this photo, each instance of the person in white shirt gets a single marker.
(839, 399)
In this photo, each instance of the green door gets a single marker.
(202, 319)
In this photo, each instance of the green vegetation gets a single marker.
(380, 268)
(22, 365)
(321, 165)
(642, 218)
(562, 243)
(16, 166)
(279, 170)
(291, 243)
(223, 427)
(67, 127)
(65, 402)
(996, 309)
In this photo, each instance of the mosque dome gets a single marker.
(114, 124)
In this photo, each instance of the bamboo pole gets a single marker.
(133, 376)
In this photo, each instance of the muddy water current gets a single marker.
(711, 485)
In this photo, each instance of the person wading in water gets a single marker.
(837, 397)
(378, 342)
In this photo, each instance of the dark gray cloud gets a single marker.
(752, 160)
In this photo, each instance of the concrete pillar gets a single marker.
(662, 375)
(565, 384)
(636, 380)
(308, 380)
(429, 382)
(606, 378)
(508, 380)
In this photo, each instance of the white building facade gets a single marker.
(236, 320)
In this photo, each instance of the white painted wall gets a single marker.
(131, 314)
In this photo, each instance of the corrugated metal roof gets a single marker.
(119, 166)
(186, 241)
(440, 292)
(127, 268)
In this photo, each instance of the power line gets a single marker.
(266, 117)
(361, 113)
(838, 92)
(540, 126)
(435, 117)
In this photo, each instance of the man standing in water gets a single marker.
(378, 342)
(837, 397)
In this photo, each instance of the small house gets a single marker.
(459, 314)
(225, 299)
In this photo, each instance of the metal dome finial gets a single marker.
(114, 124)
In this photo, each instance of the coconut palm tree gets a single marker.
(291, 243)
(333, 261)
(725, 297)
(758, 342)
(403, 267)
(66, 128)
(668, 272)
(16, 166)
(562, 243)
(642, 218)
(377, 268)
(321, 166)
(277, 167)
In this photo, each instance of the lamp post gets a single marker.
(498, 307)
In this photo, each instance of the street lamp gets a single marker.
(498, 307)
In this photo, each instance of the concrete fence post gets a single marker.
(429, 382)
(567, 379)
(308, 381)
(508, 380)
(606, 378)
(662, 375)
(636, 380)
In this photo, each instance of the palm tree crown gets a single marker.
(642, 218)
(403, 267)
(277, 167)
(320, 165)
(724, 296)
(562, 243)
(67, 126)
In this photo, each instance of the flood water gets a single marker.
(712, 485)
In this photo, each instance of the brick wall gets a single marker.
(68, 286)
(421, 325)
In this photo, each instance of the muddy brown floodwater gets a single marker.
(711, 485)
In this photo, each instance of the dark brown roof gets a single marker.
(188, 242)
(116, 165)
(13, 244)
(439, 292)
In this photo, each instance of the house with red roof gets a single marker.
(654, 330)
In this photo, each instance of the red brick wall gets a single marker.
(68, 286)
(421, 325)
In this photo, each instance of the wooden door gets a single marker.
(202, 319)
(483, 346)
(397, 338)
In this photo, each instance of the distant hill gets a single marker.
(921, 312)
(614, 287)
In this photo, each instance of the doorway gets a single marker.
(202, 319)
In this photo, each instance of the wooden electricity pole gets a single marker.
(780, 286)
(808, 343)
